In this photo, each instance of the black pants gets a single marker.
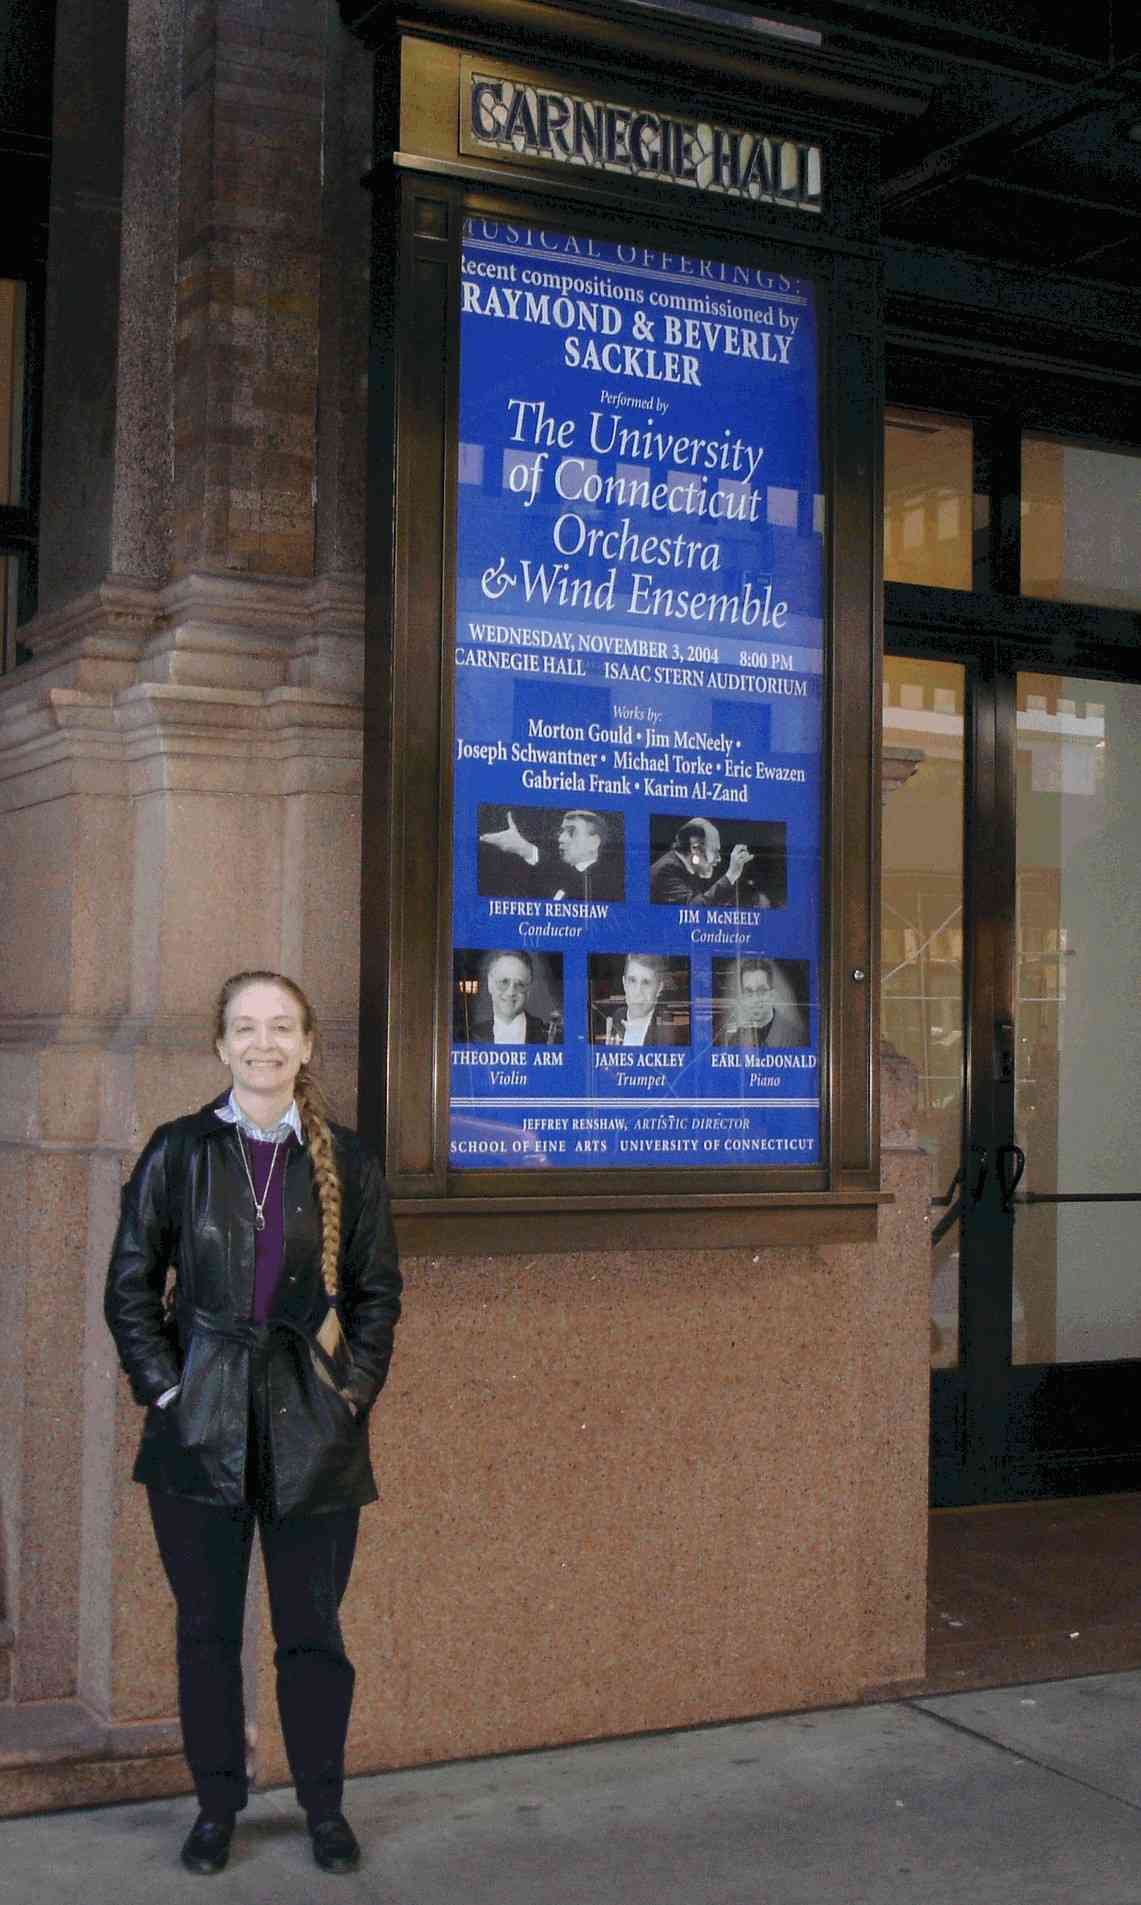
(206, 1553)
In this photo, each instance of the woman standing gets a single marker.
(258, 1378)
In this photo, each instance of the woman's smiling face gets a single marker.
(265, 1043)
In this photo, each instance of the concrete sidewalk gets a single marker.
(1023, 1796)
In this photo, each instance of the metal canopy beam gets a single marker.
(1001, 138)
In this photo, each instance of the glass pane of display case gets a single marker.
(922, 935)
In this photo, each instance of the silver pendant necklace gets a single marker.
(259, 1204)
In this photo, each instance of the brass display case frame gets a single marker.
(424, 187)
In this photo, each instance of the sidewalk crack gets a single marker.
(1019, 1753)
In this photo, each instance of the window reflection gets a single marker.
(1080, 511)
(930, 509)
(922, 934)
(1078, 1010)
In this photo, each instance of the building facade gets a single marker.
(650, 1454)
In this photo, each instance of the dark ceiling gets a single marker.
(1029, 150)
(1008, 165)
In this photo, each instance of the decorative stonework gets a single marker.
(209, 654)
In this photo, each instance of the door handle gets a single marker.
(956, 1208)
(952, 1187)
(1011, 1161)
(1004, 1051)
(956, 1203)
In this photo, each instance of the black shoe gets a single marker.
(335, 1845)
(208, 1844)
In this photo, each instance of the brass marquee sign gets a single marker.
(514, 118)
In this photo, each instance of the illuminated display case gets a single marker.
(621, 785)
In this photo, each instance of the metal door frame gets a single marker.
(1000, 1432)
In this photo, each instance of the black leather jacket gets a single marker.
(187, 1204)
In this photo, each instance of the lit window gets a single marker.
(1081, 508)
(928, 499)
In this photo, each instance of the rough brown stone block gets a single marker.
(249, 313)
(646, 1497)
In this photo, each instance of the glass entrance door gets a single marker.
(1012, 980)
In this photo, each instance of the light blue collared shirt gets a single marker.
(231, 1113)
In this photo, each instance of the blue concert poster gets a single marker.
(638, 695)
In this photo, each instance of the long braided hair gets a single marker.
(313, 1107)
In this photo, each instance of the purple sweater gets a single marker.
(269, 1244)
